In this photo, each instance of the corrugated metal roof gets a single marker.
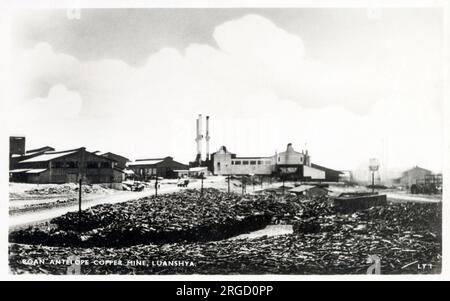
(301, 188)
(48, 156)
(37, 170)
(146, 162)
(325, 168)
(19, 170)
(194, 169)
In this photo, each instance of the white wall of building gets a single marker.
(258, 166)
(314, 173)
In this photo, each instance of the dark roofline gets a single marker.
(126, 159)
(51, 153)
(326, 169)
(100, 156)
(225, 149)
(39, 149)
(66, 151)
(417, 167)
(137, 163)
(153, 159)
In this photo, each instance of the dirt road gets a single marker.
(30, 218)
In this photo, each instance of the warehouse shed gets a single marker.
(146, 169)
(66, 167)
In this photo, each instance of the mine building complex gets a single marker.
(288, 164)
(45, 165)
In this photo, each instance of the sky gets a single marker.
(345, 84)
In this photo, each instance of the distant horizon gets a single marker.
(392, 174)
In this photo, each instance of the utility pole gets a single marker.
(81, 172)
(228, 183)
(79, 203)
(373, 182)
(156, 185)
(201, 188)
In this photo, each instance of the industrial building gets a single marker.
(289, 164)
(121, 161)
(412, 176)
(18, 152)
(146, 169)
(65, 167)
(45, 165)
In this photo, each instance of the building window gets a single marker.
(237, 162)
(244, 162)
(92, 165)
(57, 164)
(105, 165)
(253, 162)
(72, 164)
(232, 162)
(259, 162)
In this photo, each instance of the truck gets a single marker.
(183, 183)
(431, 184)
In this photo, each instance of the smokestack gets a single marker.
(199, 138)
(207, 138)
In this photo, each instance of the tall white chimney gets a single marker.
(207, 137)
(199, 138)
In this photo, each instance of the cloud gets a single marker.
(60, 104)
(259, 87)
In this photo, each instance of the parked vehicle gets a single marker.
(183, 183)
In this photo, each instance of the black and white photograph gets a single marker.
(226, 140)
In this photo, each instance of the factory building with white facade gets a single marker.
(288, 164)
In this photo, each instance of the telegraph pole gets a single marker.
(156, 185)
(79, 203)
(373, 182)
(81, 172)
(201, 188)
